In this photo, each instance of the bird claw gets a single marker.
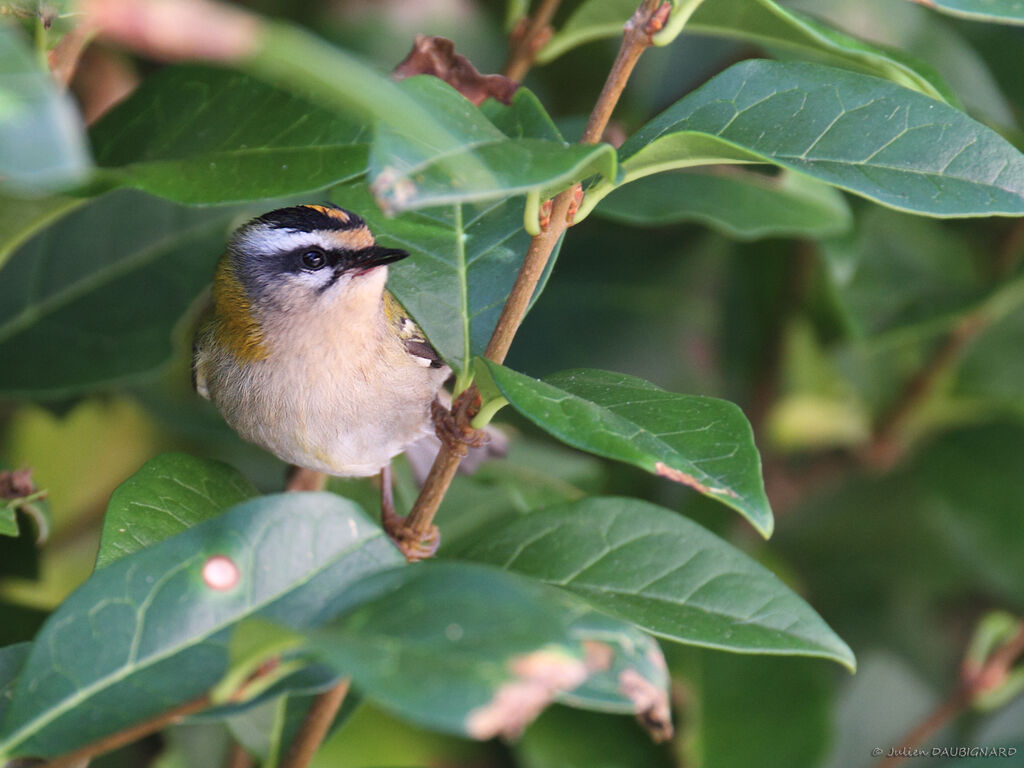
(453, 429)
(413, 546)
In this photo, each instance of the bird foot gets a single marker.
(413, 546)
(453, 427)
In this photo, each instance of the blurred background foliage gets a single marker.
(902, 541)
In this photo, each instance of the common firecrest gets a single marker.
(305, 353)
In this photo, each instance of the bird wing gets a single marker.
(201, 333)
(412, 337)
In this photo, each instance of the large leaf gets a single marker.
(762, 22)
(202, 135)
(702, 442)
(567, 738)
(94, 299)
(113, 653)
(477, 161)
(999, 11)
(487, 649)
(739, 204)
(42, 145)
(664, 573)
(168, 495)
(859, 133)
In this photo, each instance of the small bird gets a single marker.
(305, 353)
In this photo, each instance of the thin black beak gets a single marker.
(375, 256)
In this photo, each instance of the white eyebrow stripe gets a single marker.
(268, 240)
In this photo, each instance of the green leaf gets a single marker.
(766, 23)
(762, 22)
(488, 649)
(256, 141)
(12, 658)
(664, 573)
(294, 554)
(464, 262)
(998, 11)
(701, 442)
(42, 146)
(859, 133)
(20, 218)
(746, 206)
(94, 299)
(168, 495)
(477, 161)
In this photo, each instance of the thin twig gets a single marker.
(128, 735)
(973, 682)
(888, 443)
(315, 726)
(648, 19)
(527, 39)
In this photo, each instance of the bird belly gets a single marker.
(324, 412)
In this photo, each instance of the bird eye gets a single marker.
(313, 259)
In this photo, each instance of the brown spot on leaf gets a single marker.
(538, 678)
(436, 56)
(176, 29)
(651, 702)
(681, 477)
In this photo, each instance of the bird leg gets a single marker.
(453, 426)
(413, 547)
(302, 479)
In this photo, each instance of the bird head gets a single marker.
(308, 254)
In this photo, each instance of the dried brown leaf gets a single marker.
(436, 56)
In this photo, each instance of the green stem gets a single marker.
(487, 412)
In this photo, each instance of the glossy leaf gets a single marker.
(765, 22)
(746, 206)
(167, 496)
(112, 654)
(42, 146)
(762, 22)
(664, 573)
(476, 162)
(859, 133)
(998, 11)
(94, 299)
(701, 442)
(464, 262)
(488, 649)
(256, 141)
